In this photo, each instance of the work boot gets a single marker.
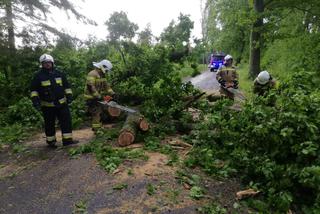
(68, 143)
(52, 144)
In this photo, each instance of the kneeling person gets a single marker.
(263, 83)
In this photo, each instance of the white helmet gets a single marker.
(226, 58)
(104, 65)
(46, 58)
(263, 77)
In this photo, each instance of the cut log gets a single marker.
(143, 124)
(127, 133)
(132, 124)
(114, 112)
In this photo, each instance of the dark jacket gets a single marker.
(50, 89)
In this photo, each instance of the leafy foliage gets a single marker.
(119, 26)
(275, 147)
(213, 208)
(151, 82)
(24, 113)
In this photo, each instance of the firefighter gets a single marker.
(227, 76)
(263, 83)
(51, 93)
(97, 89)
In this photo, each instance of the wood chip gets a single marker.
(179, 143)
(135, 146)
(116, 171)
(186, 186)
(246, 193)
(148, 174)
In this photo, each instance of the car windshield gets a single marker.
(218, 58)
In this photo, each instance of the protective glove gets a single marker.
(222, 83)
(235, 84)
(37, 106)
(107, 98)
(36, 103)
(69, 99)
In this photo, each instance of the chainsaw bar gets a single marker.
(116, 105)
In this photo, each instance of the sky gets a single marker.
(158, 13)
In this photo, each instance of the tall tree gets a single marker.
(33, 14)
(178, 33)
(255, 38)
(145, 36)
(227, 26)
(120, 28)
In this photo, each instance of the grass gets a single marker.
(151, 189)
(245, 83)
(120, 186)
(80, 207)
(187, 71)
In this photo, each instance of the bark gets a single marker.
(192, 99)
(133, 123)
(10, 25)
(11, 40)
(255, 40)
(242, 46)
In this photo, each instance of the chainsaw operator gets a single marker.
(51, 94)
(97, 89)
(227, 76)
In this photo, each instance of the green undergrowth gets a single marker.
(273, 147)
(245, 83)
(17, 123)
(109, 157)
(154, 144)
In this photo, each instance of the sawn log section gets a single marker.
(133, 123)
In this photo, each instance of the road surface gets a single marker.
(205, 81)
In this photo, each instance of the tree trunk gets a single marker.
(255, 39)
(242, 46)
(132, 124)
(11, 40)
(9, 22)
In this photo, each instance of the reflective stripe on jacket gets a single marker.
(97, 86)
(227, 73)
(50, 88)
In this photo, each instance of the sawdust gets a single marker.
(82, 135)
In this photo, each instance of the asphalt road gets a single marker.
(205, 81)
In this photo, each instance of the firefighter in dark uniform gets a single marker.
(51, 93)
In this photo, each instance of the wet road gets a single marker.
(205, 81)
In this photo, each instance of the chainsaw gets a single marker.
(229, 87)
(107, 101)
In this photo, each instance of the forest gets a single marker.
(211, 150)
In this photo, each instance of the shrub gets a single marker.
(23, 113)
(275, 147)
